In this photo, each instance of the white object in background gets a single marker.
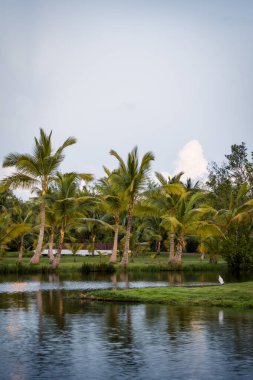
(221, 281)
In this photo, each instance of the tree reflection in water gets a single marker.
(45, 334)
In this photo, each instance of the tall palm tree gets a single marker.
(36, 170)
(113, 203)
(131, 178)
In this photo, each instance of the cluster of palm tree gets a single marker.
(57, 195)
(126, 201)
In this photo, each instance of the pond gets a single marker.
(77, 281)
(46, 335)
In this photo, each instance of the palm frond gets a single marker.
(121, 161)
(172, 221)
(107, 171)
(13, 231)
(194, 199)
(68, 142)
(160, 177)
(242, 217)
(205, 229)
(98, 221)
(243, 190)
(87, 177)
(17, 180)
(174, 189)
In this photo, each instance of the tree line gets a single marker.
(127, 206)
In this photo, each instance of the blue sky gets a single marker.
(174, 77)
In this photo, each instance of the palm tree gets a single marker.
(130, 179)
(68, 205)
(192, 217)
(190, 186)
(36, 170)
(152, 229)
(52, 222)
(165, 199)
(113, 203)
(163, 181)
(212, 245)
(74, 247)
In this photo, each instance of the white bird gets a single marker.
(220, 279)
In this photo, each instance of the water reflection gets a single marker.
(46, 335)
(28, 283)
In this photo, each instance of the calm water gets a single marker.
(45, 335)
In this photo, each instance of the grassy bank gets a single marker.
(239, 295)
(87, 264)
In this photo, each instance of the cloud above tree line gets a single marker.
(191, 161)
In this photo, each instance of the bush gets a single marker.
(237, 249)
(103, 268)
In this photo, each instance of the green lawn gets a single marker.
(239, 295)
(145, 262)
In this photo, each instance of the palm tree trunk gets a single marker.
(36, 257)
(172, 247)
(158, 247)
(113, 258)
(57, 257)
(51, 245)
(124, 260)
(180, 245)
(93, 244)
(21, 249)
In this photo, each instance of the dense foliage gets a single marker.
(127, 209)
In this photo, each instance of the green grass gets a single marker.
(144, 263)
(238, 295)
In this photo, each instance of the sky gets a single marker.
(174, 77)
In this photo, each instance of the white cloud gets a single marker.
(191, 161)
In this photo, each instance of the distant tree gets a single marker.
(237, 169)
(74, 247)
(236, 221)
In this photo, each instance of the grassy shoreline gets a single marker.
(10, 264)
(237, 295)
